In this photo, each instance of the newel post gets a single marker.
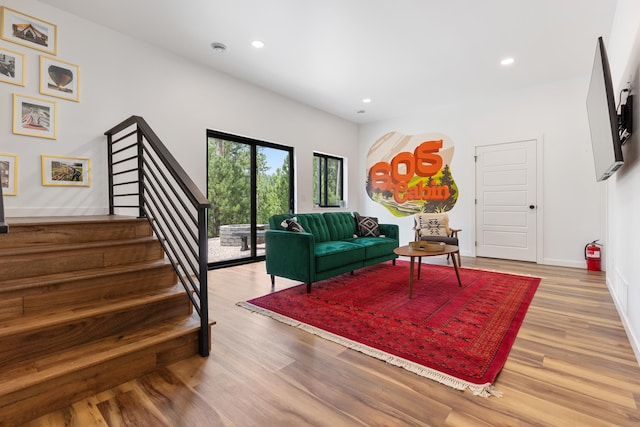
(141, 213)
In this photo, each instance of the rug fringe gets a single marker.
(482, 390)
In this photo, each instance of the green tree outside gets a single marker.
(229, 186)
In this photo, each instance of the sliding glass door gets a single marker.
(248, 181)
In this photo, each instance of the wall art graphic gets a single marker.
(65, 171)
(409, 174)
(28, 31)
(9, 174)
(12, 67)
(59, 78)
(34, 116)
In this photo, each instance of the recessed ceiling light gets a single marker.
(218, 47)
(366, 100)
(507, 61)
(257, 44)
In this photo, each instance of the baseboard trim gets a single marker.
(634, 341)
(564, 263)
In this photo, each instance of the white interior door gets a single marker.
(506, 207)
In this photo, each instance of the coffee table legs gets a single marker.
(411, 276)
(455, 265)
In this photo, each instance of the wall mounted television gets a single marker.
(609, 130)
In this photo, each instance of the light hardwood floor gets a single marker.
(571, 365)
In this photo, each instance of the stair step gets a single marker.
(47, 293)
(71, 246)
(36, 231)
(68, 376)
(86, 304)
(33, 336)
(55, 281)
(37, 261)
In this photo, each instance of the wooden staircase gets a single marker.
(85, 304)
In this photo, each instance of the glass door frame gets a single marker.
(253, 144)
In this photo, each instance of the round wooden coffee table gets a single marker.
(418, 253)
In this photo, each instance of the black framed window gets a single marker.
(327, 180)
(248, 180)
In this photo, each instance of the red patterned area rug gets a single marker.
(458, 336)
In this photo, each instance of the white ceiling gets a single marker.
(402, 54)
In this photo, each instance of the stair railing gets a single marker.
(145, 178)
(4, 228)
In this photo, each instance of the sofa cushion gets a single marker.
(376, 246)
(332, 254)
(315, 224)
(341, 225)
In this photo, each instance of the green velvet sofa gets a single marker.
(327, 247)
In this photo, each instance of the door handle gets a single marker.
(532, 206)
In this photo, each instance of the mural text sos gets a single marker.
(423, 162)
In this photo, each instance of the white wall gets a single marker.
(179, 99)
(555, 115)
(623, 202)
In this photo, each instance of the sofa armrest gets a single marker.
(390, 230)
(290, 254)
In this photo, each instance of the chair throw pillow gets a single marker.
(292, 225)
(367, 226)
(433, 225)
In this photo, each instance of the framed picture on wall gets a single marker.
(34, 116)
(59, 78)
(16, 27)
(9, 174)
(65, 171)
(12, 67)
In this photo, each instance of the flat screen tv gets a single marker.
(603, 117)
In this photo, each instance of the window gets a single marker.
(327, 180)
(248, 181)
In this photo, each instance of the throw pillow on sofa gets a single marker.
(292, 225)
(367, 226)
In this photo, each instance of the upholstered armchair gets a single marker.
(434, 227)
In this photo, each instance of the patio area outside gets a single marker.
(218, 252)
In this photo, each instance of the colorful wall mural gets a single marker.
(409, 174)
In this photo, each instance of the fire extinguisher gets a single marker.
(592, 255)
